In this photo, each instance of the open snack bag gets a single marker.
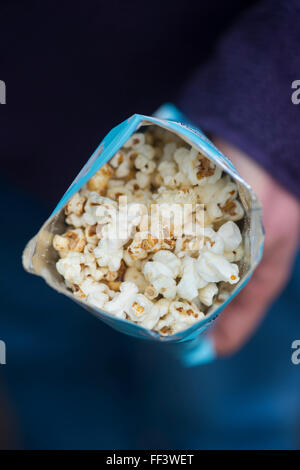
(157, 233)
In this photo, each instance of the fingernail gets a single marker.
(201, 352)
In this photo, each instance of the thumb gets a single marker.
(237, 323)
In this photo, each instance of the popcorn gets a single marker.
(144, 164)
(60, 243)
(207, 293)
(129, 218)
(97, 299)
(182, 315)
(163, 285)
(131, 262)
(165, 324)
(196, 167)
(168, 170)
(95, 293)
(106, 214)
(185, 245)
(76, 221)
(156, 180)
(231, 235)
(181, 156)
(114, 275)
(223, 204)
(73, 240)
(168, 152)
(158, 276)
(123, 300)
(99, 181)
(132, 274)
(112, 183)
(135, 141)
(161, 273)
(191, 280)
(216, 268)
(163, 307)
(142, 196)
(170, 260)
(117, 160)
(99, 209)
(185, 195)
(70, 267)
(114, 285)
(122, 164)
(151, 243)
(90, 234)
(213, 241)
(153, 269)
(142, 310)
(76, 240)
(192, 240)
(206, 192)
(143, 180)
(234, 255)
(170, 176)
(115, 192)
(207, 171)
(109, 253)
(88, 264)
(75, 205)
(92, 270)
(148, 150)
(136, 249)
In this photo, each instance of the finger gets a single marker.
(236, 324)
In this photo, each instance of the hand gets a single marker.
(281, 219)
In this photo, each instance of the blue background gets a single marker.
(72, 382)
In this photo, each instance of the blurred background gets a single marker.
(74, 70)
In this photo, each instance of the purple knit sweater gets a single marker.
(244, 93)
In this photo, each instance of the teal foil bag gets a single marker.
(39, 256)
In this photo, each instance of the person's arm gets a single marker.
(244, 93)
(281, 219)
(242, 97)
